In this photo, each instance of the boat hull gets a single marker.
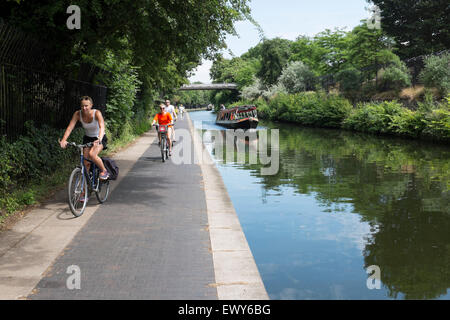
(242, 124)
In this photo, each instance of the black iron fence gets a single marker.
(20, 49)
(27, 94)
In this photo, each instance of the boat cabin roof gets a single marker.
(240, 109)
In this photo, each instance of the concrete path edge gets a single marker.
(236, 273)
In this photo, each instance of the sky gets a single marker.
(289, 19)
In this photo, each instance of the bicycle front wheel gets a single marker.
(167, 150)
(77, 189)
(163, 146)
(103, 190)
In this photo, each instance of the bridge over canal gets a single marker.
(210, 86)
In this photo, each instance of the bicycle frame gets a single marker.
(83, 168)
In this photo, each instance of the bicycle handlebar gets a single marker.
(86, 145)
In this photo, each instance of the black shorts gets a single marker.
(87, 139)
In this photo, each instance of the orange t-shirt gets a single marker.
(163, 119)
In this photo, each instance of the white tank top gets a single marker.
(91, 129)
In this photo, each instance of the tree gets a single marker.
(297, 77)
(237, 70)
(418, 27)
(309, 52)
(334, 49)
(366, 46)
(161, 35)
(274, 57)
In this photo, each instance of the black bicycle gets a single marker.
(83, 182)
(164, 143)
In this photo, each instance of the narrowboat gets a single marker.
(239, 117)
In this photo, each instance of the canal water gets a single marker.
(340, 203)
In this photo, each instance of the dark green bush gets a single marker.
(396, 77)
(308, 108)
(373, 117)
(33, 155)
(437, 122)
(27, 160)
(350, 82)
(436, 73)
(431, 120)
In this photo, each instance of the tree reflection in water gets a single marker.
(400, 187)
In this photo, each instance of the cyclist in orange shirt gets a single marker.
(164, 118)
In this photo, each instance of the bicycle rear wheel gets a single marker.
(77, 188)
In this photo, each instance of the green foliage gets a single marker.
(240, 70)
(373, 117)
(350, 82)
(309, 51)
(437, 73)
(334, 50)
(29, 159)
(194, 97)
(123, 85)
(408, 123)
(274, 58)
(429, 121)
(418, 27)
(367, 47)
(297, 77)
(163, 38)
(396, 77)
(437, 123)
(309, 108)
(252, 91)
(390, 117)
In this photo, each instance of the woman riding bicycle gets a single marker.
(165, 119)
(94, 128)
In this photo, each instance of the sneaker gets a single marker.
(84, 199)
(104, 176)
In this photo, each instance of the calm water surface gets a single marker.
(340, 203)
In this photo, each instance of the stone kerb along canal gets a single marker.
(342, 215)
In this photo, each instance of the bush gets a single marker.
(437, 123)
(373, 117)
(350, 81)
(297, 77)
(396, 77)
(408, 123)
(253, 91)
(30, 158)
(437, 73)
(309, 108)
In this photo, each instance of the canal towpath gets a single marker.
(168, 231)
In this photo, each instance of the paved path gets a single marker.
(150, 240)
(168, 231)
